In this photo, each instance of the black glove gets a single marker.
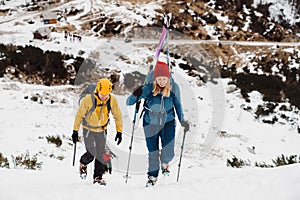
(138, 91)
(185, 125)
(118, 137)
(75, 136)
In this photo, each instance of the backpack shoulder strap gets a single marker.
(108, 110)
(108, 104)
(93, 105)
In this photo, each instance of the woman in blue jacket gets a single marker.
(162, 99)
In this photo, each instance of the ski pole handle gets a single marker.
(137, 105)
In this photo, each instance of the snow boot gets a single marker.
(99, 180)
(151, 181)
(83, 171)
(165, 169)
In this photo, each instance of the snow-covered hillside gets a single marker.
(25, 124)
(224, 124)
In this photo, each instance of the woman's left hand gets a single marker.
(185, 125)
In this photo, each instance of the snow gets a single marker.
(207, 177)
(210, 108)
(21, 33)
(211, 184)
(203, 172)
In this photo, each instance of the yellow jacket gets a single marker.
(97, 121)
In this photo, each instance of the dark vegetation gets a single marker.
(54, 139)
(3, 161)
(272, 87)
(31, 64)
(271, 84)
(279, 161)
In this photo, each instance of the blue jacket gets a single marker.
(158, 108)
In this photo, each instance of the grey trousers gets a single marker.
(95, 149)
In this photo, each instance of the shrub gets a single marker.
(3, 161)
(263, 165)
(55, 140)
(27, 162)
(279, 161)
(293, 93)
(238, 163)
(285, 160)
(266, 109)
(35, 64)
(60, 157)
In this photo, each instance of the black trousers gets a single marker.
(95, 149)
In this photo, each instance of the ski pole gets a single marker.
(137, 105)
(74, 154)
(179, 164)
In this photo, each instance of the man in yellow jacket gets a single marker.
(94, 124)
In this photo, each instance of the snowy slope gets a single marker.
(201, 177)
(221, 129)
(211, 183)
(204, 164)
(16, 30)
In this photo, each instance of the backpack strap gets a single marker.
(108, 109)
(149, 98)
(107, 104)
(92, 109)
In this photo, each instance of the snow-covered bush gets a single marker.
(236, 162)
(3, 161)
(285, 160)
(55, 140)
(279, 161)
(26, 161)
